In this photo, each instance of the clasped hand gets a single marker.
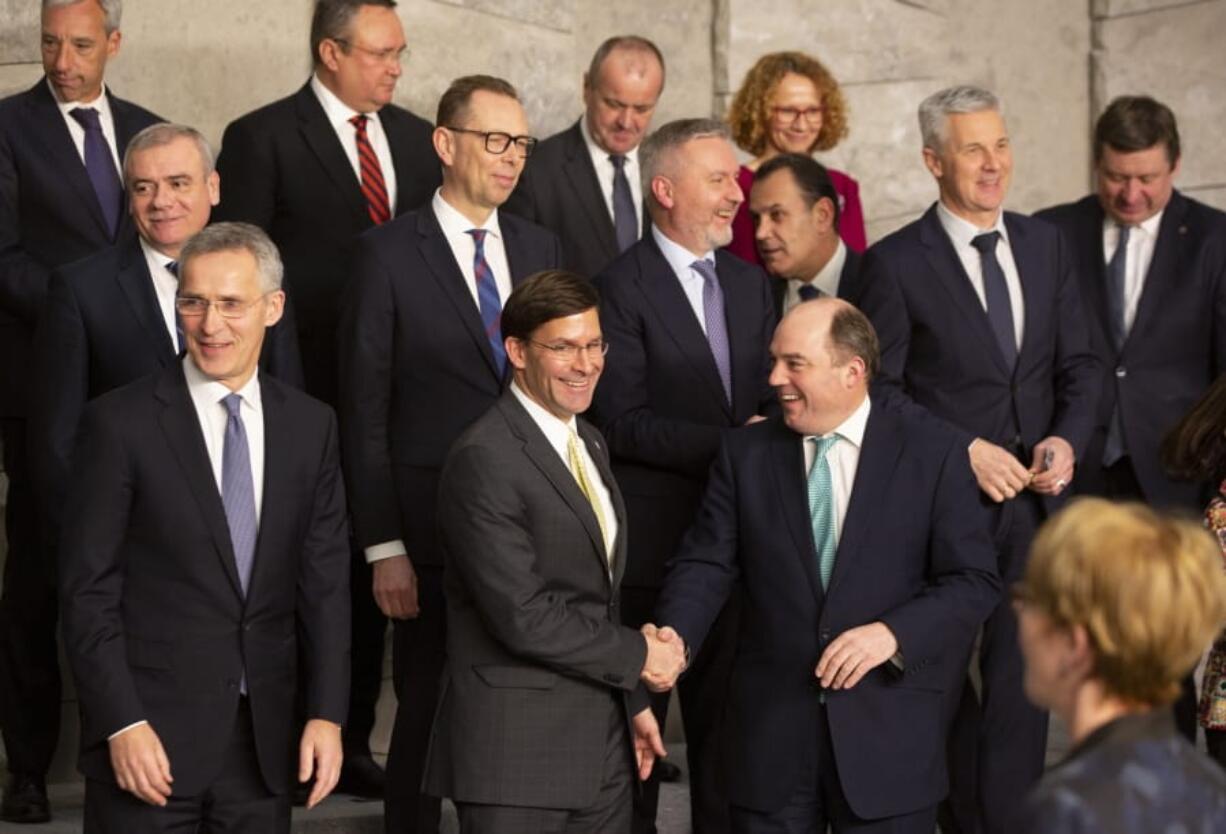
(665, 658)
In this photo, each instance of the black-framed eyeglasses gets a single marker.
(568, 353)
(789, 115)
(497, 142)
(191, 307)
(396, 55)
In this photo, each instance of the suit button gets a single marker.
(247, 627)
(825, 635)
(231, 683)
(1121, 372)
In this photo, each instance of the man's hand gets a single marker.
(853, 653)
(140, 764)
(665, 658)
(1053, 479)
(395, 587)
(319, 753)
(648, 745)
(999, 473)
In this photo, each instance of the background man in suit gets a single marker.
(584, 183)
(795, 212)
(314, 170)
(542, 677)
(421, 358)
(981, 323)
(864, 582)
(690, 324)
(205, 539)
(60, 200)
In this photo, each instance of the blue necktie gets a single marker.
(180, 344)
(238, 491)
(996, 291)
(624, 219)
(808, 292)
(488, 301)
(821, 507)
(1116, 271)
(717, 325)
(100, 165)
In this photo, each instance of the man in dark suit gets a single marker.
(314, 170)
(866, 564)
(584, 183)
(60, 200)
(421, 358)
(204, 544)
(981, 324)
(795, 212)
(542, 679)
(689, 325)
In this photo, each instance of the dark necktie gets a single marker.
(717, 325)
(238, 491)
(808, 292)
(374, 189)
(1117, 269)
(624, 220)
(100, 166)
(996, 291)
(488, 301)
(173, 269)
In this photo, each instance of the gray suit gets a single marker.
(541, 675)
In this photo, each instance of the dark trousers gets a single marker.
(819, 801)
(365, 659)
(237, 802)
(998, 741)
(29, 660)
(609, 814)
(418, 648)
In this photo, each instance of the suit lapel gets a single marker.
(599, 454)
(581, 177)
(850, 274)
(1029, 272)
(277, 449)
(57, 145)
(137, 287)
(1164, 268)
(791, 496)
(324, 143)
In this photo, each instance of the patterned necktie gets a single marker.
(717, 325)
(821, 507)
(488, 301)
(1117, 269)
(180, 343)
(238, 491)
(808, 292)
(374, 189)
(624, 219)
(575, 460)
(100, 166)
(996, 291)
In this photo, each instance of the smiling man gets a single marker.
(691, 324)
(584, 182)
(981, 323)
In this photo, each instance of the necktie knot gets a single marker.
(618, 160)
(232, 402)
(821, 445)
(808, 292)
(706, 269)
(986, 242)
(359, 122)
(478, 237)
(1125, 232)
(87, 117)
(173, 268)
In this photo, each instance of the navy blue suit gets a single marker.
(914, 553)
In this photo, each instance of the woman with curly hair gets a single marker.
(790, 103)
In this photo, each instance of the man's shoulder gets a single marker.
(406, 120)
(489, 436)
(1206, 218)
(269, 116)
(133, 112)
(300, 406)
(13, 104)
(558, 147)
(901, 241)
(534, 233)
(86, 271)
(1065, 214)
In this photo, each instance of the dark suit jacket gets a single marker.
(535, 644)
(937, 346)
(559, 190)
(660, 401)
(416, 369)
(49, 216)
(102, 328)
(155, 624)
(1177, 344)
(283, 168)
(849, 278)
(914, 553)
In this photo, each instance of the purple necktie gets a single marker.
(488, 301)
(238, 491)
(100, 165)
(717, 325)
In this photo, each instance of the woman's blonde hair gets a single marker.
(749, 114)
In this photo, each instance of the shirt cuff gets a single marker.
(384, 550)
(117, 733)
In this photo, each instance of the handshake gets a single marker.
(666, 658)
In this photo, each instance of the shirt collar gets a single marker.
(454, 223)
(962, 231)
(851, 429)
(556, 431)
(102, 103)
(678, 257)
(597, 152)
(337, 112)
(204, 389)
(827, 278)
(1149, 226)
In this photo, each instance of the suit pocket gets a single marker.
(149, 654)
(516, 677)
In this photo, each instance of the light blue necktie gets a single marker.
(821, 507)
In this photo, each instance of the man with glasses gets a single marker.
(421, 358)
(314, 170)
(584, 182)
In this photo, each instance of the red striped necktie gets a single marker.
(374, 189)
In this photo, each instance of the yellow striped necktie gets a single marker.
(575, 460)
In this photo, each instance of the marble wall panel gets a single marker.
(19, 31)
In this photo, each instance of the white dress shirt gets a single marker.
(827, 280)
(107, 121)
(558, 434)
(961, 233)
(843, 458)
(1141, 243)
(165, 285)
(680, 258)
(339, 114)
(605, 173)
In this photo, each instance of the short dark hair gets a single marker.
(810, 176)
(1136, 123)
(332, 18)
(453, 106)
(630, 43)
(543, 297)
(852, 335)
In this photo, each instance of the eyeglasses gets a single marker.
(391, 55)
(497, 142)
(789, 115)
(191, 307)
(568, 353)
